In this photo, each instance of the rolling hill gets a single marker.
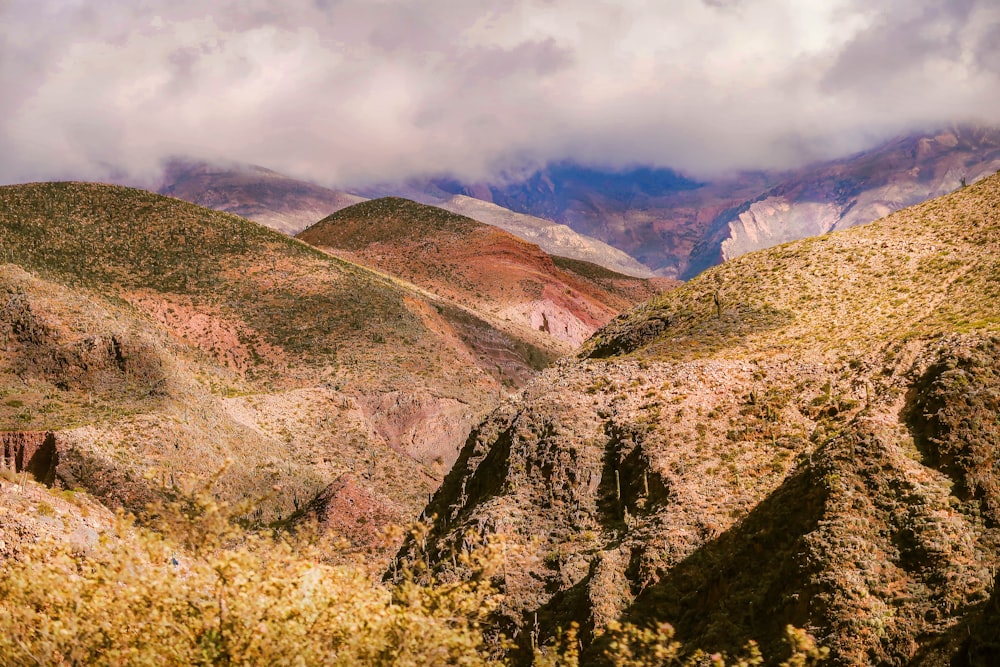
(549, 301)
(804, 435)
(150, 341)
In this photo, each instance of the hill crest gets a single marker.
(511, 281)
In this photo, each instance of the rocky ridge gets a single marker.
(803, 435)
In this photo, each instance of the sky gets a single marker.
(350, 92)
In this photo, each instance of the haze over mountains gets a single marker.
(255, 193)
(678, 227)
(643, 220)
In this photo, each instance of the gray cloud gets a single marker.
(352, 91)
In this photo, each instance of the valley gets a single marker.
(158, 340)
(800, 436)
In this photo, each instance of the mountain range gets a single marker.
(802, 435)
(678, 227)
(641, 220)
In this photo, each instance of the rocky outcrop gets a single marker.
(33, 452)
(348, 509)
(804, 436)
(852, 191)
(814, 509)
(427, 428)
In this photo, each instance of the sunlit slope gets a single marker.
(157, 339)
(805, 435)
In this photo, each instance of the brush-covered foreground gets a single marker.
(191, 586)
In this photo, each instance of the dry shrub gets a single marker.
(629, 645)
(191, 587)
(198, 590)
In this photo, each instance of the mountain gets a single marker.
(804, 435)
(655, 215)
(147, 341)
(272, 199)
(551, 237)
(548, 301)
(640, 219)
(679, 227)
(852, 191)
(289, 206)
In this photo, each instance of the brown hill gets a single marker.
(272, 199)
(804, 435)
(156, 340)
(515, 284)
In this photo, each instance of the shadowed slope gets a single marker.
(802, 435)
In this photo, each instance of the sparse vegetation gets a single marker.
(811, 447)
(814, 448)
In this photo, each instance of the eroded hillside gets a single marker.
(804, 435)
(549, 301)
(155, 340)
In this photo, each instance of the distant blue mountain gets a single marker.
(551, 191)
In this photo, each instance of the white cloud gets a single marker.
(355, 90)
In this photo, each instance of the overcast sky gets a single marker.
(350, 91)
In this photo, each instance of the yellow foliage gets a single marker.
(191, 587)
(199, 591)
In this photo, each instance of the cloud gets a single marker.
(351, 91)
